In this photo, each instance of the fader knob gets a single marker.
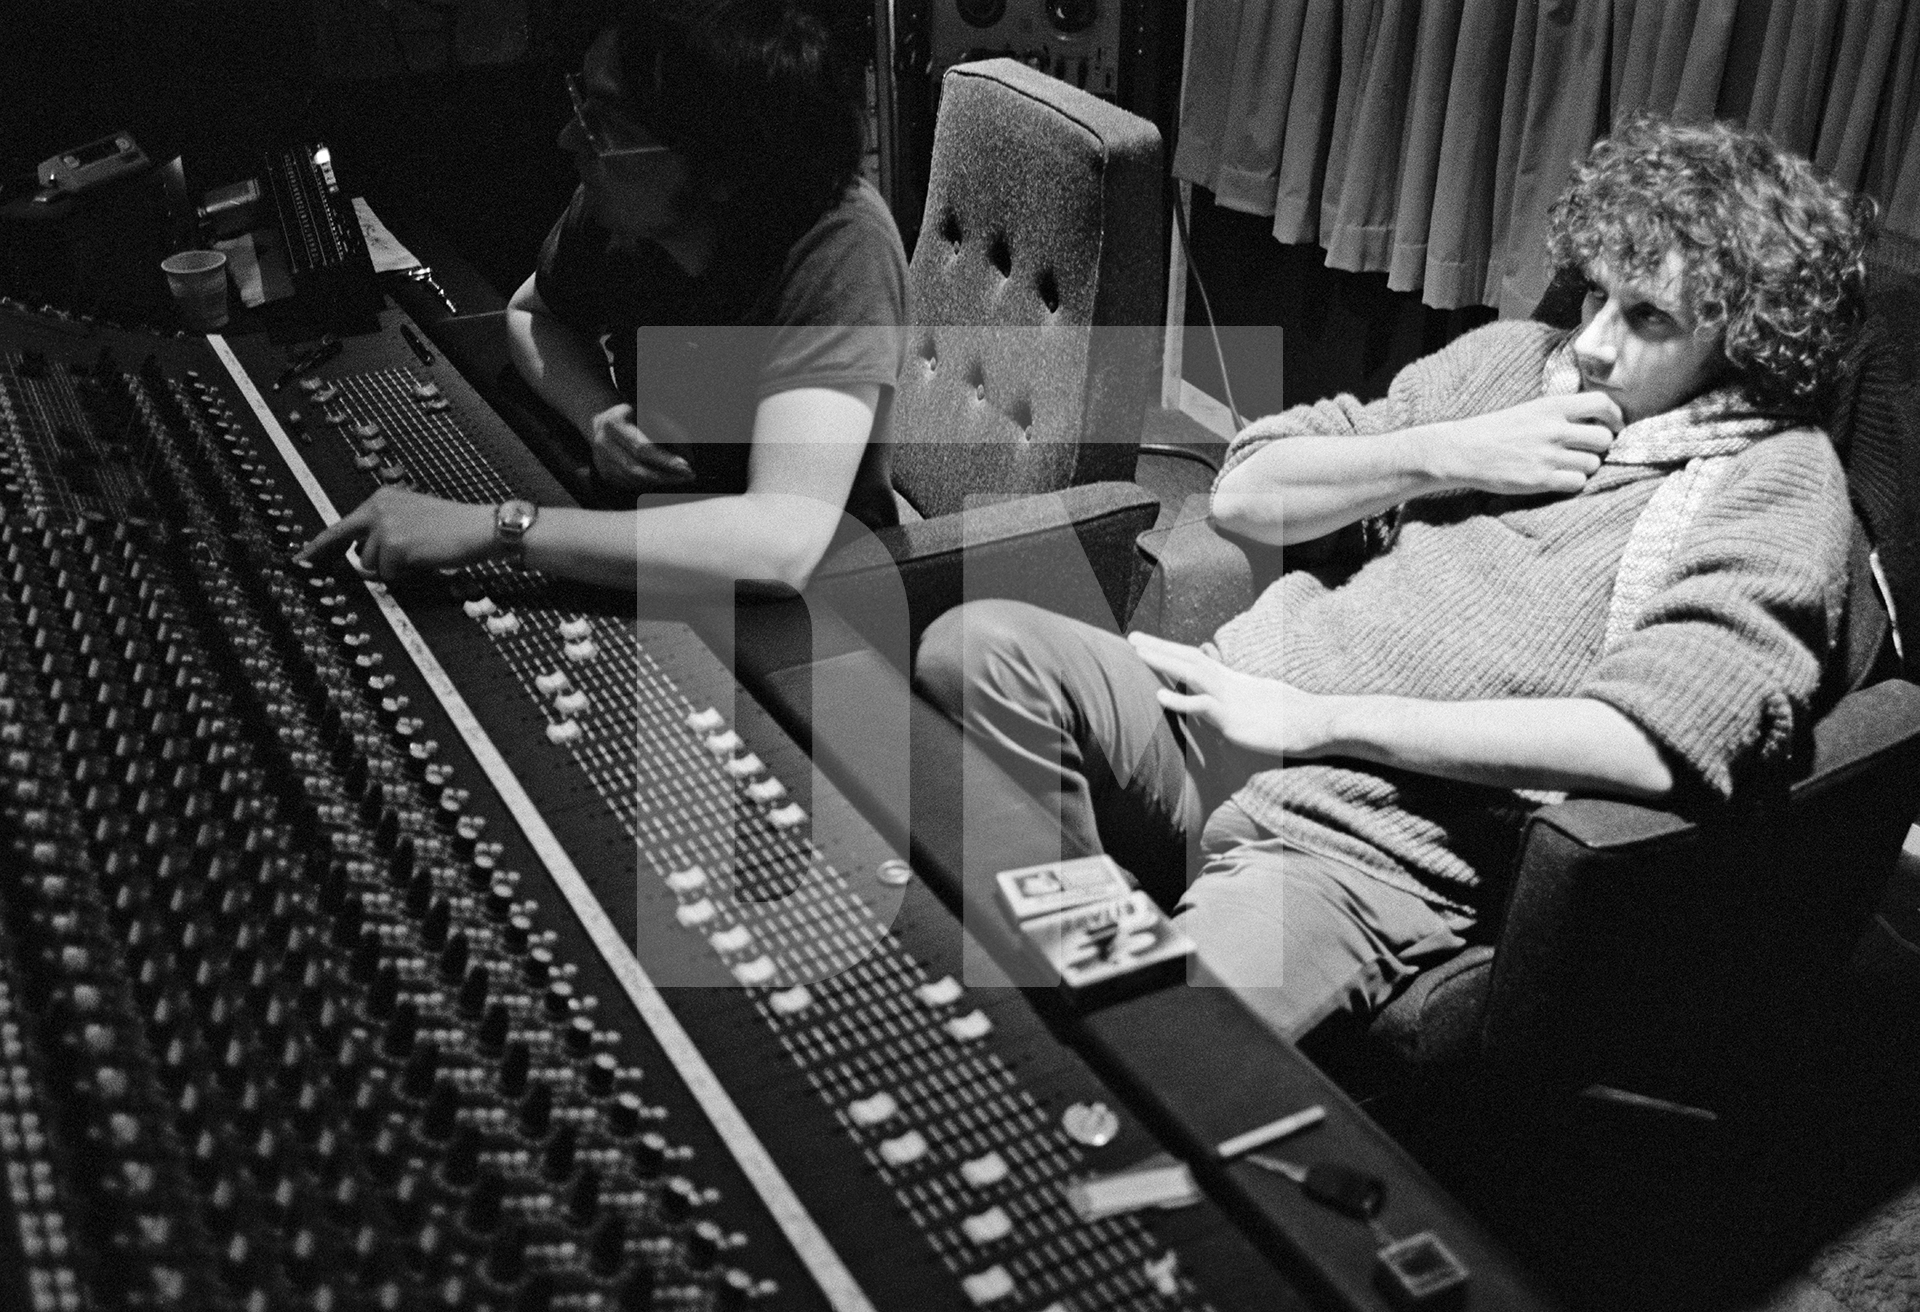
(559, 1160)
(420, 894)
(472, 998)
(384, 993)
(579, 1037)
(583, 1199)
(433, 929)
(507, 1255)
(402, 1028)
(734, 1293)
(602, 1070)
(482, 1212)
(676, 1201)
(461, 1168)
(493, 1029)
(346, 1065)
(536, 1111)
(422, 1069)
(453, 957)
(363, 967)
(536, 1295)
(369, 1106)
(388, 1154)
(649, 1155)
(513, 1069)
(607, 1247)
(636, 1290)
(624, 1113)
(703, 1246)
(408, 1198)
(443, 1110)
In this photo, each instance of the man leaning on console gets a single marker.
(1609, 561)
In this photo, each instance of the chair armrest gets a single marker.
(1633, 933)
(1856, 736)
(1197, 580)
(1070, 551)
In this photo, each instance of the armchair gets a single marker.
(1680, 957)
(1035, 288)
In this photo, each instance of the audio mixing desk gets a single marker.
(491, 943)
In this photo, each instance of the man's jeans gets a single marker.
(1070, 712)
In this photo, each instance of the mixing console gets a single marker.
(481, 951)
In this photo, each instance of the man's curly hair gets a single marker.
(1771, 249)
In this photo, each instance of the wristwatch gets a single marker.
(511, 520)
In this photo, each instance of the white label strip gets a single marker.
(822, 1262)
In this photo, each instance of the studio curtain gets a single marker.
(1427, 138)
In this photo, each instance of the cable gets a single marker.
(1206, 304)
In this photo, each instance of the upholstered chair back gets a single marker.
(1036, 291)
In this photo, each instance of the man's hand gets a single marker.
(401, 532)
(1576, 744)
(1259, 715)
(1551, 444)
(625, 457)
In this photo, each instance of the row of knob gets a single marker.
(259, 934)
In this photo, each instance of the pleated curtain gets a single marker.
(1427, 138)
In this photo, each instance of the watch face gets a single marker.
(514, 518)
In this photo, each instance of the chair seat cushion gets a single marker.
(1437, 1017)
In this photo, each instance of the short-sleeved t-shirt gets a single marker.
(697, 354)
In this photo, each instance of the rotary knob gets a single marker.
(461, 1166)
(607, 1246)
(514, 1068)
(536, 1111)
(558, 1161)
(507, 1255)
(482, 1212)
(442, 1113)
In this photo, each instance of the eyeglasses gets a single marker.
(594, 122)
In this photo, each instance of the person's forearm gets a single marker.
(1576, 744)
(689, 547)
(1300, 488)
(565, 366)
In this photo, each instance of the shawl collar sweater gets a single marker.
(1478, 596)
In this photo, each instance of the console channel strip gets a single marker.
(318, 982)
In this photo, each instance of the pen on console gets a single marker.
(419, 347)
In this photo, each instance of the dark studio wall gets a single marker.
(1334, 331)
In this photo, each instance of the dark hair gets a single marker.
(1771, 250)
(756, 95)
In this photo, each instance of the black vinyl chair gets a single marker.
(1685, 958)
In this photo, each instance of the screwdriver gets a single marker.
(1352, 1192)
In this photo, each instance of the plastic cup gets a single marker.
(198, 281)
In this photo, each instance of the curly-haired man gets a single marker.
(1610, 560)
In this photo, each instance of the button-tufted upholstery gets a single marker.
(1037, 286)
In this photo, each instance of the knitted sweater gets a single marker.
(1484, 596)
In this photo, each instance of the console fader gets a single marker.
(461, 951)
